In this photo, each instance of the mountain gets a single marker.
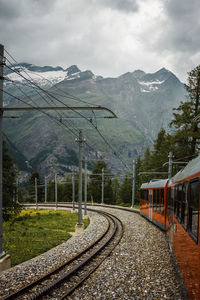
(143, 103)
(18, 81)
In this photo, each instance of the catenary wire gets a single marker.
(29, 97)
(67, 95)
(108, 144)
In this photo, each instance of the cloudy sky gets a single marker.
(109, 37)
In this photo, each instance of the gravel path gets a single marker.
(139, 268)
(15, 277)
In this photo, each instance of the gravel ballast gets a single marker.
(140, 267)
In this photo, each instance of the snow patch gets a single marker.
(150, 86)
(149, 83)
(49, 77)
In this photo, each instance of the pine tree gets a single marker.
(67, 189)
(185, 122)
(138, 180)
(32, 188)
(116, 188)
(95, 185)
(126, 190)
(51, 191)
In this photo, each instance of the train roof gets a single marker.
(192, 168)
(154, 184)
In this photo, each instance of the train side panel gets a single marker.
(186, 235)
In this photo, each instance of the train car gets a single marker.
(183, 216)
(153, 202)
(178, 214)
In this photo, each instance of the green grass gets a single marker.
(36, 231)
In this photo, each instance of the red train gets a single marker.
(173, 205)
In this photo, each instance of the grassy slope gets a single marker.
(36, 231)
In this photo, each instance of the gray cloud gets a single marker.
(110, 37)
(183, 25)
(8, 11)
(127, 6)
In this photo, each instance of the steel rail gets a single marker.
(67, 276)
(39, 280)
(50, 286)
(71, 290)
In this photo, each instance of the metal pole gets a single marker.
(133, 186)
(85, 206)
(45, 189)
(73, 190)
(56, 191)
(36, 194)
(80, 140)
(2, 253)
(170, 165)
(102, 187)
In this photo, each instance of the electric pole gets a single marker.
(102, 187)
(36, 194)
(80, 141)
(73, 190)
(2, 253)
(56, 191)
(133, 185)
(170, 165)
(85, 203)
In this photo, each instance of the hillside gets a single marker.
(142, 102)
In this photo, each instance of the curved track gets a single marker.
(63, 280)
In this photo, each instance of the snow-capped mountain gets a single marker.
(143, 103)
(21, 80)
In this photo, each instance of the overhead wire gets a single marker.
(29, 97)
(50, 116)
(38, 108)
(67, 95)
(108, 144)
(36, 89)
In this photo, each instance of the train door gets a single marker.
(150, 204)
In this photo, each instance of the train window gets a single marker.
(143, 195)
(154, 200)
(169, 201)
(158, 200)
(162, 201)
(175, 200)
(179, 201)
(184, 208)
(193, 210)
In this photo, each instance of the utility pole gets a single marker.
(36, 194)
(2, 253)
(45, 189)
(133, 185)
(85, 203)
(102, 187)
(80, 141)
(73, 190)
(56, 191)
(170, 165)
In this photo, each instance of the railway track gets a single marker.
(62, 281)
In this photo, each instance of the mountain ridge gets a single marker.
(142, 101)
